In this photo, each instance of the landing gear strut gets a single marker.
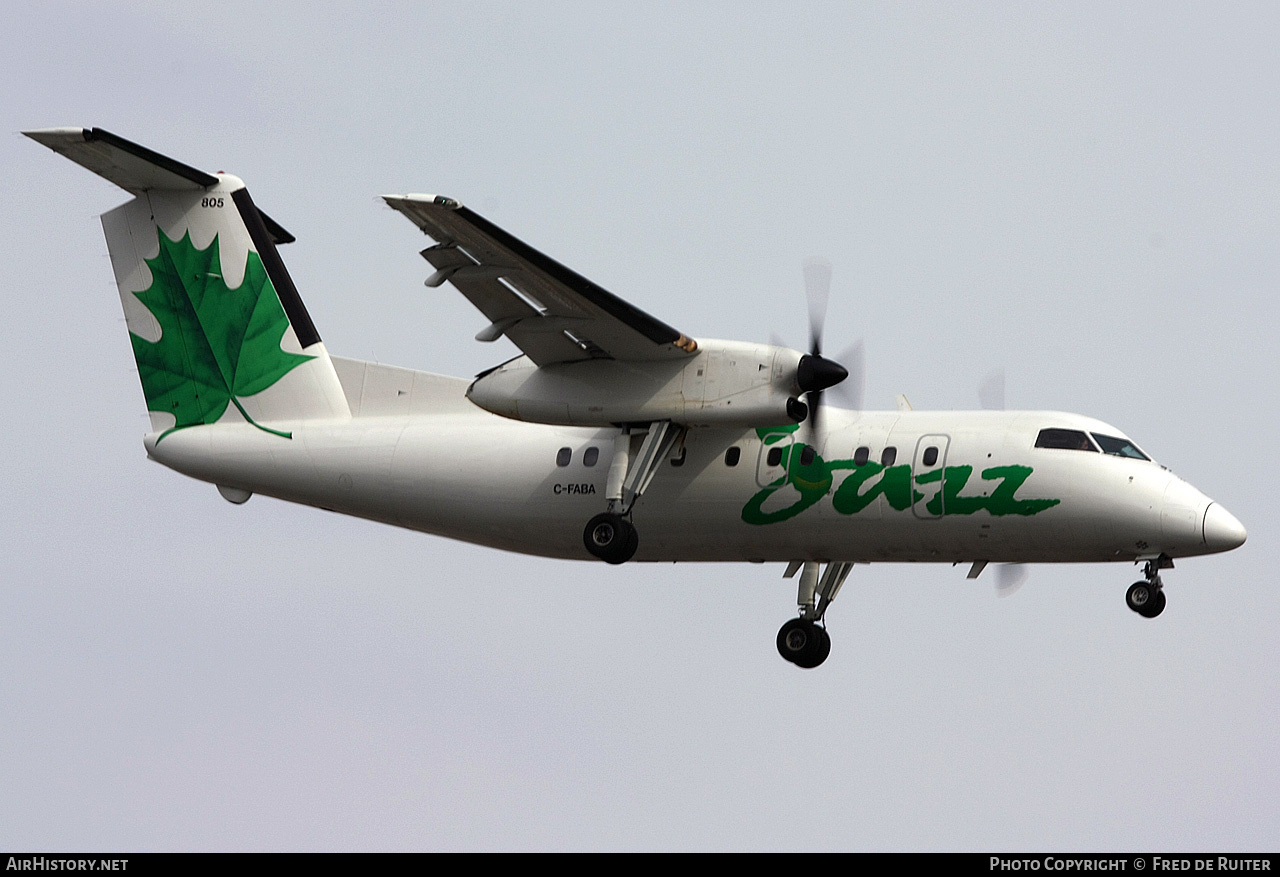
(1147, 596)
(802, 641)
(610, 535)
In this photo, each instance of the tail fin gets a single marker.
(218, 329)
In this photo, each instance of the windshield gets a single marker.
(1119, 447)
(1064, 439)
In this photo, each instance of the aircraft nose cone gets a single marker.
(1222, 532)
(816, 372)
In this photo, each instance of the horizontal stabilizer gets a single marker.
(133, 167)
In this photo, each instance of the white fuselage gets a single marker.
(416, 453)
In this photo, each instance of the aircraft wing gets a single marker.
(550, 312)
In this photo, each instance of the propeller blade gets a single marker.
(814, 400)
(852, 390)
(817, 287)
(1009, 577)
(815, 372)
(991, 391)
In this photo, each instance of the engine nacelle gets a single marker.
(726, 383)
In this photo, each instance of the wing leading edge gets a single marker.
(550, 312)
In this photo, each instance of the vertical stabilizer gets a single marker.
(219, 331)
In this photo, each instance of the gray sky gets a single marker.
(1084, 194)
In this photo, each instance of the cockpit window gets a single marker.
(1119, 447)
(1064, 439)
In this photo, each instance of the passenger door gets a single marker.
(775, 454)
(927, 470)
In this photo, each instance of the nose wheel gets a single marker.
(803, 641)
(1146, 599)
(1147, 596)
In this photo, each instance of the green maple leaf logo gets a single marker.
(216, 343)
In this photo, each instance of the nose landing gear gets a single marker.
(1147, 597)
(802, 641)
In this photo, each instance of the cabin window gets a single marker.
(806, 455)
(888, 456)
(775, 457)
(930, 456)
(860, 456)
(1064, 439)
(1119, 447)
(563, 456)
(732, 456)
(591, 456)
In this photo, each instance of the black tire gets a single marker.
(793, 638)
(611, 538)
(803, 643)
(1139, 596)
(633, 543)
(1154, 606)
(821, 648)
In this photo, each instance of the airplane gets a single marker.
(613, 436)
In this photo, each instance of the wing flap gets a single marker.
(508, 312)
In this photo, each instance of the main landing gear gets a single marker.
(1147, 596)
(802, 641)
(610, 535)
